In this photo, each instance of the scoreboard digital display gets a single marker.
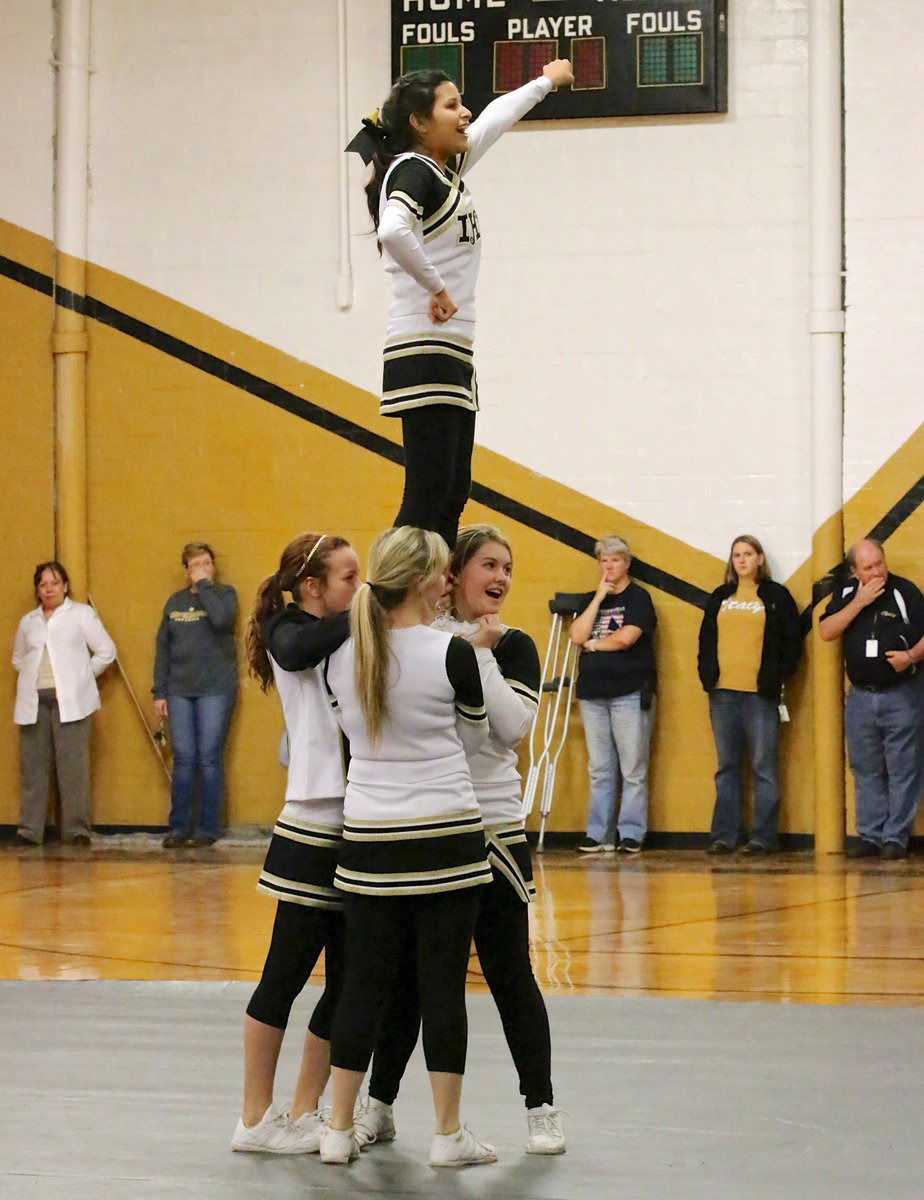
(631, 58)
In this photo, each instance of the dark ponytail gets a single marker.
(269, 600)
(412, 95)
(307, 556)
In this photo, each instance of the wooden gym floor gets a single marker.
(664, 924)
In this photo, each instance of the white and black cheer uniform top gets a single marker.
(411, 821)
(302, 854)
(510, 678)
(430, 239)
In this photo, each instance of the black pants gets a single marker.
(502, 942)
(300, 933)
(438, 442)
(436, 932)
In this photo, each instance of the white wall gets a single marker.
(214, 158)
(27, 108)
(884, 71)
(663, 362)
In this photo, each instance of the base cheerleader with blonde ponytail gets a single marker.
(412, 862)
(482, 570)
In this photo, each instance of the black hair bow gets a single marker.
(371, 135)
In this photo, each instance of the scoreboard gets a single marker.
(630, 57)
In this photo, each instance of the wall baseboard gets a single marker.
(557, 840)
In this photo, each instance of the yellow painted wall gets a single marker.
(26, 456)
(176, 455)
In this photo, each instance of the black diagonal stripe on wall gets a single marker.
(20, 273)
(569, 536)
(898, 513)
(881, 532)
(324, 419)
(227, 372)
(358, 435)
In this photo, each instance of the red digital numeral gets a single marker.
(588, 59)
(516, 63)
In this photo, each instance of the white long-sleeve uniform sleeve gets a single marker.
(401, 236)
(500, 115)
(509, 715)
(472, 737)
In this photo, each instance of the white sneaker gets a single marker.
(375, 1122)
(274, 1133)
(460, 1149)
(310, 1126)
(546, 1135)
(339, 1145)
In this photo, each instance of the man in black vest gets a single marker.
(881, 619)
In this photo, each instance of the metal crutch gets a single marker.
(563, 604)
(157, 738)
(536, 764)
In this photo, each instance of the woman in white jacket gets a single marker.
(61, 648)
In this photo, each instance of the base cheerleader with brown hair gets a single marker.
(285, 644)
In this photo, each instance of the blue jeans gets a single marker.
(198, 729)
(745, 720)
(618, 736)
(884, 744)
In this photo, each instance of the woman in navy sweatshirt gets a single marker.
(195, 689)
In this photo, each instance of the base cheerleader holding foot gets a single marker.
(509, 670)
(285, 644)
(412, 862)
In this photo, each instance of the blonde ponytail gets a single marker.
(369, 627)
(400, 560)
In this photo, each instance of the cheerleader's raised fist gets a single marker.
(559, 72)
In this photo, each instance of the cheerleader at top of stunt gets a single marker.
(421, 146)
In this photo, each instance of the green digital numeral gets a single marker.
(448, 59)
(670, 60)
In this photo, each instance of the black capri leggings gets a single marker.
(438, 441)
(300, 933)
(502, 942)
(436, 930)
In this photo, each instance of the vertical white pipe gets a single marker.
(69, 341)
(345, 266)
(826, 320)
(826, 339)
(72, 127)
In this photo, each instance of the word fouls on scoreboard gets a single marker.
(534, 28)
